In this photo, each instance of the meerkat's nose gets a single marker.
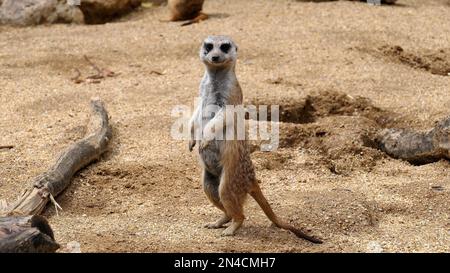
(215, 58)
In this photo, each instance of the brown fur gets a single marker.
(238, 179)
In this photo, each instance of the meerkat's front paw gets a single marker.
(203, 144)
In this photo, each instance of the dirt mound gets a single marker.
(96, 191)
(271, 161)
(339, 128)
(427, 197)
(434, 61)
(343, 143)
(327, 103)
(341, 211)
(100, 187)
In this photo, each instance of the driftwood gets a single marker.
(417, 147)
(51, 183)
(26, 234)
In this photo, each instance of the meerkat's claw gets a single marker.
(229, 231)
(214, 225)
(191, 145)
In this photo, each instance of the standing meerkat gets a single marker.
(228, 172)
(191, 10)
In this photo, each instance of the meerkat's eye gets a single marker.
(208, 47)
(225, 48)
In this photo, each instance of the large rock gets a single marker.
(101, 11)
(33, 12)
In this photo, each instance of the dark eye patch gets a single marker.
(208, 47)
(225, 48)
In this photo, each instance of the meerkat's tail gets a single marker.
(201, 17)
(257, 194)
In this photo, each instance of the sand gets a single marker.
(145, 195)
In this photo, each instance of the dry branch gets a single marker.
(156, 72)
(417, 147)
(74, 158)
(100, 73)
(6, 147)
(26, 234)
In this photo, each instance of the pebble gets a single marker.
(73, 247)
(374, 247)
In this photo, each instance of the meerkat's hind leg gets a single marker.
(219, 223)
(211, 187)
(233, 205)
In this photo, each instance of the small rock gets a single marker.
(73, 247)
(374, 247)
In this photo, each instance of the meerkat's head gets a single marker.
(218, 52)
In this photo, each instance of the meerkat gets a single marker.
(182, 10)
(228, 172)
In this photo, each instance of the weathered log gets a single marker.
(58, 177)
(21, 230)
(417, 147)
(26, 234)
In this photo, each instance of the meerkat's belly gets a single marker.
(211, 157)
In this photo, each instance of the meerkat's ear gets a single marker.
(236, 48)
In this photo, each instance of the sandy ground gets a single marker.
(145, 194)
